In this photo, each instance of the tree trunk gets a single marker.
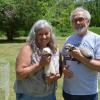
(10, 36)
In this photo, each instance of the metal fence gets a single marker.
(4, 80)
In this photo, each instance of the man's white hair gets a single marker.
(80, 9)
(31, 39)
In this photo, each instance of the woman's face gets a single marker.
(43, 37)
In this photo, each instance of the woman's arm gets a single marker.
(24, 66)
(23, 63)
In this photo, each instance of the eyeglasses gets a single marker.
(80, 19)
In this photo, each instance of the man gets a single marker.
(80, 73)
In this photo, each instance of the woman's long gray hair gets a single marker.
(31, 39)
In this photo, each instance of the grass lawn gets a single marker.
(9, 51)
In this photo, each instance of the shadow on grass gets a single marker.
(3, 41)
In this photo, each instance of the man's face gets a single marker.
(80, 23)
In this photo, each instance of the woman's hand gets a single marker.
(67, 73)
(52, 78)
(45, 60)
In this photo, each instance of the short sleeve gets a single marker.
(97, 48)
(62, 52)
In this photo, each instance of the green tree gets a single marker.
(19, 15)
(8, 19)
(16, 15)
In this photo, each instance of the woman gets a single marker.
(31, 83)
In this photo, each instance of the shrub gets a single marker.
(95, 29)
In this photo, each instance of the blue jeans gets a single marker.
(27, 97)
(80, 97)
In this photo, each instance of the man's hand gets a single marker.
(67, 73)
(52, 78)
(76, 53)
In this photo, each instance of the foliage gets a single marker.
(95, 29)
(20, 15)
(8, 19)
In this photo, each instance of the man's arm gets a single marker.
(93, 63)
